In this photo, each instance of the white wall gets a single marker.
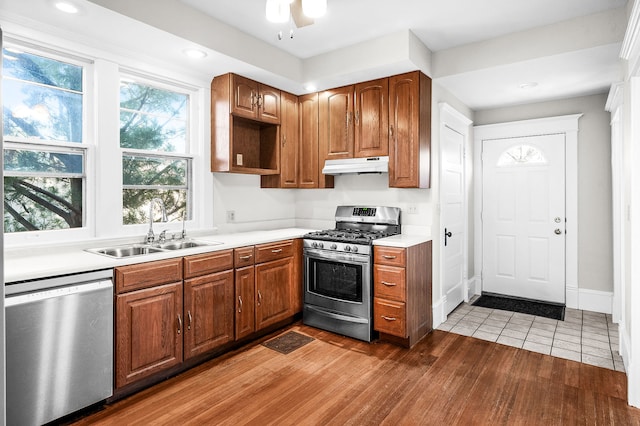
(595, 262)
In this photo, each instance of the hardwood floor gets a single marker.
(445, 379)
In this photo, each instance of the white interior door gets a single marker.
(453, 216)
(523, 216)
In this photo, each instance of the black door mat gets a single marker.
(540, 309)
(288, 342)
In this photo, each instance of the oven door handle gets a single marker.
(327, 255)
(337, 316)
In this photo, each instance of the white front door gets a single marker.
(453, 216)
(523, 216)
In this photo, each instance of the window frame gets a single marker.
(86, 146)
(191, 93)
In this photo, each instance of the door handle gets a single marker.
(558, 231)
(446, 235)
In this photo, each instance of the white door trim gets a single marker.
(456, 121)
(568, 125)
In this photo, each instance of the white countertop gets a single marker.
(24, 264)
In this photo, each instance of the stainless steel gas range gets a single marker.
(338, 269)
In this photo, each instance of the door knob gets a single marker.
(558, 231)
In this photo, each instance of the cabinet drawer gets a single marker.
(273, 251)
(208, 263)
(143, 275)
(389, 256)
(389, 282)
(243, 257)
(389, 317)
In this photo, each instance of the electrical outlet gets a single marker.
(231, 216)
(413, 209)
(239, 159)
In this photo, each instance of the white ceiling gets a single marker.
(237, 38)
(438, 24)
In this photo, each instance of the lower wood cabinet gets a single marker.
(148, 332)
(209, 316)
(273, 291)
(402, 292)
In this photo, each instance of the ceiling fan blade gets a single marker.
(298, 17)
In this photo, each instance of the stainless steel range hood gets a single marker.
(356, 165)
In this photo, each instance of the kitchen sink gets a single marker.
(143, 249)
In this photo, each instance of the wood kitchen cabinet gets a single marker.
(254, 100)
(208, 302)
(402, 293)
(289, 146)
(274, 281)
(310, 175)
(371, 118)
(410, 130)
(244, 292)
(336, 123)
(245, 130)
(148, 326)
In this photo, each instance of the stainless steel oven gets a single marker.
(338, 270)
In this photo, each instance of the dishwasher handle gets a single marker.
(25, 298)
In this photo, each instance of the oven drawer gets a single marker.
(389, 282)
(243, 257)
(389, 317)
(389, 256)
(273, 251)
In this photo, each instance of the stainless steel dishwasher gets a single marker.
(59, 346)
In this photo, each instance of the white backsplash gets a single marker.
(257, 208)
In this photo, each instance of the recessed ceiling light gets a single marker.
(529, 85)
(67, 7)
(195, 53)
(309, 87)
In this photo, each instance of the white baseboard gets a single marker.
(573, 295)
(438, 312)
(474, 287)
(633, 372)
(594, 300)
(625, 342)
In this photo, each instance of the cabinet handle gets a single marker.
(260, 103)
(247, 257)
(391, 131)
(190, 320)
(389, 284)
(239, 303)
(284, 140)
(388, 318)
(386, 256)
(253, 99)
(358, 118)
(179, 324)
(276, 251)
(259, 298)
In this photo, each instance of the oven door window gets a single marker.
(337, 280)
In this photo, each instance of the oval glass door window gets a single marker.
(521, 155)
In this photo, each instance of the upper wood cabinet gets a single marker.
(289, 146)
(410, 131)
(254, 100)
(310, 166)
(371, 118)
(245, 132)
(336, 123)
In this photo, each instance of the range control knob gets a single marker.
(320, 245)
(355, 249)
(334, 246)
(347, 248)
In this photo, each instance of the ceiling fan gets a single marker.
(301, 11)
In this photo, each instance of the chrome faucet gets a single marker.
(150, 235)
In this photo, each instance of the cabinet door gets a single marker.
(245, 302)
(309, 161)
(148, 332)
(273, 291)
(269, 104)
(409, 130)
(371, 118)
(289, 142)
(208, 317)
(244, 97)
(336, 123)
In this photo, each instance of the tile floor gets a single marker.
(583, 336)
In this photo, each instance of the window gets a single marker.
(44, 150)
(156, 163)
(521, 155)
